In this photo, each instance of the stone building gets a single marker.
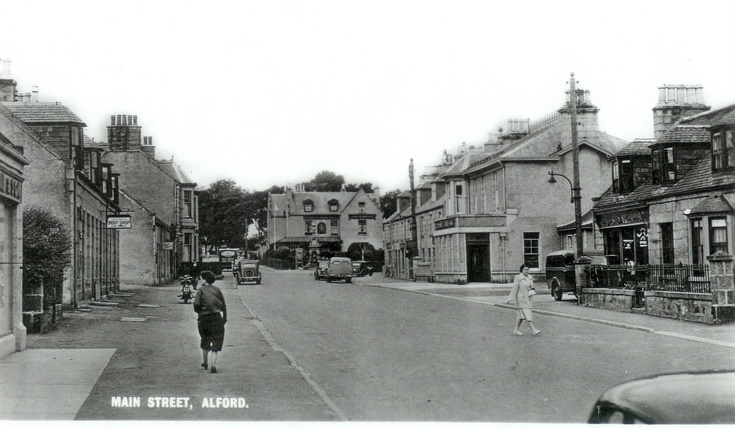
(325, 223)
(69, 179)
(12, 187)
(672, 198)
(494, 208)
(158, 194)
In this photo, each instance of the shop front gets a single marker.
(626, 235)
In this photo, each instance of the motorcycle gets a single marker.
(187, 290)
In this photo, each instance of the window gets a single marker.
(308, 206)
(362, 227)
(334, 227)
(626, 175)
(308, 227)
(697, 244)
(361, 207)
(188, 247)
(723, 153)
(616, 177)
(321, 228)
(717, 235)
(668, 165)
(667, 243)
(656, 165)
(531, 249)
(188, 210)
(333, 206)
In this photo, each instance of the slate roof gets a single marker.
(714, 205)
(722, 116)
(635, 148)
(694, 129)
(685, 134)
(319, 199)
(174, 171)
(42, 113)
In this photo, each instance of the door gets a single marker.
(478, 257)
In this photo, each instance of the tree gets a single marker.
(367, 187)
(325, 181)
(389, 203)
(224, 214)
(46, 253)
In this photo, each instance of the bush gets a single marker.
(46, 253)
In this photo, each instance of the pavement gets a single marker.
(28, 392)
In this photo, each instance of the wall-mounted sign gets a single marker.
(362, 216)
(446, 223)
(119, 222)
(168, 246)
(622, 219)
(10, 187)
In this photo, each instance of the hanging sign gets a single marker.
(119, 222)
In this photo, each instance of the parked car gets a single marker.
(678, 398)
(560, 276)
(247, 271)
(361, 268)
(321, 271)
(340, 268)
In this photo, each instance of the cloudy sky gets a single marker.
(272, 92)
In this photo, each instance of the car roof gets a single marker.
(679, 398)
(340, 259)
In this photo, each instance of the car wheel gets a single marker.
(348, 280)
(329, 279)
(257, 282)
(556, 291)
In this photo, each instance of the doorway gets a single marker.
(478, 257)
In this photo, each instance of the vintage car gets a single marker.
(321, 271)
(560, 276)
(340, 268)
(361, 268)
(678, 398)
(247, 271)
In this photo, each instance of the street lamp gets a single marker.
(552, 180)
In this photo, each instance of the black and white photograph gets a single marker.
(367, 212)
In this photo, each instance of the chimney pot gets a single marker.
(112, 120)
(34, 94)
(119, 120)
(135, 120)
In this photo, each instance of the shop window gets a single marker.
(717, 235)
(697, 244)
(531, 249)
(667, 243)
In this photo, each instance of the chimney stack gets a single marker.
(676, 102)
(124, 133)
(148, 148)
(34, 94)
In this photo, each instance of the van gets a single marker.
(340, 268)
(560, 276)
(560, 273)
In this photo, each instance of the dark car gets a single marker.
(678, 398)
(322, 270)
(560, 276)
(247, 271)
(360, 268)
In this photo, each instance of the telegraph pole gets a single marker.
(414, 242)
(575, 160)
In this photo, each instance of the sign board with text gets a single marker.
(119, 222)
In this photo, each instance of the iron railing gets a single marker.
(679, 278)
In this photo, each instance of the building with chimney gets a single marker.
(68, 179)
(493, 208)
(159, 195)
(325, 223)
(671, 199)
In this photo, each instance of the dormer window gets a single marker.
(333, 206)
(663, 165)
(308, 206)
(622, 171)
(723, 152)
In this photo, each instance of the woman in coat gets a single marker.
(519, 295)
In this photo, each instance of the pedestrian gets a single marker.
(209, 304)
(520, 295)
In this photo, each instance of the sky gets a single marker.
(272, 92)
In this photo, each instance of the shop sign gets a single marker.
(168, 246)
(642, 236)
(362, 216)
(10, 187)
(446, 223)
(621, 219)
(119, 222)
